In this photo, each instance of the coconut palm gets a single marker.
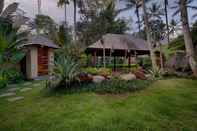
(155, 11)
(148, 34)
(135, 4)
(64, 3)
(75, 18)
(166, 15)
(39, 6)
(182, 8)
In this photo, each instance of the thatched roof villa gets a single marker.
(118, 45)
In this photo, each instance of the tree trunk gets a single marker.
(39, 7)
(161, 57)
(65, 12)
(167, 23)
(149, 39)
(187, 37)
(138, 17)
(75, 18)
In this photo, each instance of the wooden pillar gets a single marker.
(110, 56)
(94, 59)
(114, 68)
(104, 57)
(125, 57)
(129, 58)
(135, 55)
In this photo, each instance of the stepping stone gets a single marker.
(27, 84)
(36, 85)
(12, 89)
(12, 86)
(25, 89)
(7, 95)
(13, 99)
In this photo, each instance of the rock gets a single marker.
(25, 89)
(12, 89)
(98, 79)
(140, 75)
(128, 77)
(7, 95)
(15, 99)
(84, 77)
(12, 86)
(148, 76)
(27, 84)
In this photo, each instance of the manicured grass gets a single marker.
(167, 105)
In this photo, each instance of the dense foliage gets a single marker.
(93, 27)
(113, 86)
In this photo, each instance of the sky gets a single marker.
(49, 7)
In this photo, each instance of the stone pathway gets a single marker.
(27, 84)
(7, 95)
(11, 93)
(25, 89)
(13, 99)
(12, 89)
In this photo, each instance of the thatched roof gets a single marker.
(40, 40)
(121, 42)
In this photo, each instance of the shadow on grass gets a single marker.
(114, 87)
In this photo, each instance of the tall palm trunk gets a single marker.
(39, 7)
(75, 18)
(148, 34)
(187, 37)
(65, 11)
(167, 23)
(138, 18)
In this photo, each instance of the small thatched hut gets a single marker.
(39, 56)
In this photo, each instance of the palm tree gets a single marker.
(75, 18)
(182, 6)
(157, 27)
(135, 4)
(166, 15)
(148, 34)
(155, 11)
(39, 6)
(64, 3)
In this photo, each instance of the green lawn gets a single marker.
(167, 105)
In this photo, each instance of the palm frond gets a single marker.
(9, 10)
(1, 6)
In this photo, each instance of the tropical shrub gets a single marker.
(104, 72)
(90, 70)
(3, 81)
(113, 86)
(66, 71)
(14, 76)
(11, 75)
(155, 74)
(98, 71)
